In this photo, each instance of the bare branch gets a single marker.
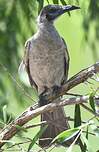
(10, 130)
(35, 125)
(77, 79)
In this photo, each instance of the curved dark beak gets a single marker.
(65, 9)
(68, 8)
(61, 10)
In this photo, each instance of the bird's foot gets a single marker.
(43, 97)
(55, 89)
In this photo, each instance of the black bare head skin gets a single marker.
(51, 12)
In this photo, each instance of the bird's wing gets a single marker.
(25, 63)
(66, 63)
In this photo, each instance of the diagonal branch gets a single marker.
(77, 79)
(10, 130)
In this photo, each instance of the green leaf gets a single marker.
(91, 100)
(5, 113)
(85, 147)
(77, 116)
(55, 1)
(47, 1)
(87, 132)
(77, 121)
(36, 137)
(64, 3)
(72, 144)
(20, 128)
(41, 4)
(66, 135)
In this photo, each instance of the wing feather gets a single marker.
(26, 63)
(66, 62)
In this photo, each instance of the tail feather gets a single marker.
(56, 123)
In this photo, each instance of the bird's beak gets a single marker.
(64, 9)
(61, 10)
(68, 8)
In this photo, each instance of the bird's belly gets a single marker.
(47, 70)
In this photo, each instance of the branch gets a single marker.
(10, 130)
(77, 79)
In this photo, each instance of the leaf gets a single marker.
(55, 1)
(77, 121)
(36, 137)
(72, 144)
(20, 128)
(47, 1)
(85, 147)
(97, 105)
(87, 132)
(41, 3)
(77, 116)
(66, 135)
(5, 113)
(64, 3)
(91, 100)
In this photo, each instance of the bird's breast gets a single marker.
(46, 59)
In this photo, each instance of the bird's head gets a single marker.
(50, 12)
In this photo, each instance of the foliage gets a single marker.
(36, 137)
(90, 22)
(17, 23)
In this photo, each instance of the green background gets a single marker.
(81, 56)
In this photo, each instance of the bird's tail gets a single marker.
(57, 123)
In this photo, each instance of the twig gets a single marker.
(20, 143)
(10, 130)
(74, 94)
(35, 125)
(89, 133)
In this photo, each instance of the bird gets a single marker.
(46, 60)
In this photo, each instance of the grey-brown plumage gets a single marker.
(47, 62)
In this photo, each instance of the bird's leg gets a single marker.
(43, 97)
(55, 89)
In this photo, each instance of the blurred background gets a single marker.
(80, 30)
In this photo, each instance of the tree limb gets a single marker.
(77, 79)
(10, 130)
